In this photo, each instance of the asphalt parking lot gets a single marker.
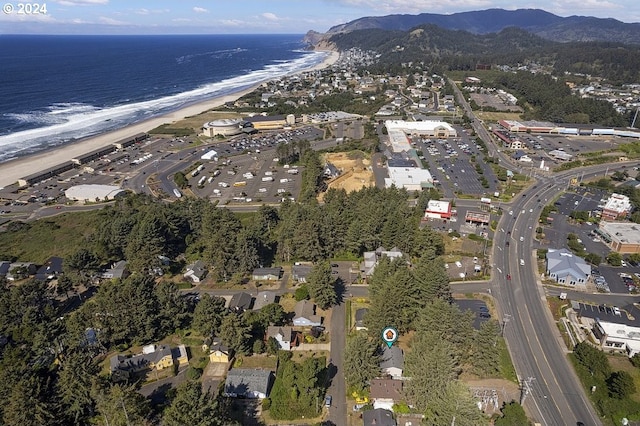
(449, 163)
(629, 314)
(477, 307)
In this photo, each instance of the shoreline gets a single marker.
(18, 168)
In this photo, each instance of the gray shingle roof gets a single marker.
(242, 381)
(378, 417)
(263, 299)
(392, 357)
(563, 262)
(240, 301)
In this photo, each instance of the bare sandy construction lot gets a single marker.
(355, 170)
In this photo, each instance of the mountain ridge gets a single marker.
(536, 21)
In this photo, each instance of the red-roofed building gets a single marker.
(437, 209)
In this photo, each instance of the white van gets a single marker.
(521, 262)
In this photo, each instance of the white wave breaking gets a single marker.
(66, 121)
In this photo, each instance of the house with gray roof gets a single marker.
(300, 273)
(248, 383)
(152, 357)
(50, 270)
(266, 274)
(566, 268)
(4, 268)
(240, 302)
(392, 361)
(196, 271)
(386, 392)
(263, 299)
(283, 334)
(117, 270)
(371, 259)
(20, 270)
(378, 417)
(305, 314)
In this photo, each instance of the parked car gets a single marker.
(327, 401)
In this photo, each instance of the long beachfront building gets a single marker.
(80, 160)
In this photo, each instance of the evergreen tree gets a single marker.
(512, 415)
(235, 333)
(486, 359)
(321, 285)
(192, 407)
(208, 315)
(361, 362)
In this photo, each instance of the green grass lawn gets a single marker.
(55, 236)
(507, 371)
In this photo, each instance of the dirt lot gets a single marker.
(356, 172)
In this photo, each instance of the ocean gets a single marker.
(57, 89)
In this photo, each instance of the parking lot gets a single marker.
(246, 158)
(477, 307)
(629, 314)
(449, 161)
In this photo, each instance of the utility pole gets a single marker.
(526, 389)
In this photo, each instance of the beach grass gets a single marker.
(59, 235)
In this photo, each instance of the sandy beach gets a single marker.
(13, 170)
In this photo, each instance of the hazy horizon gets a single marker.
(136, 17)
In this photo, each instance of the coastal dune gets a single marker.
(13, 170)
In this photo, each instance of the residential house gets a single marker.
(266, 274)
(331, 171)
(4, 268)
(50, 270)
(218, 350)
(263, 299)
(180, 356)
(305, 314)
(378, 417)
(371, 259)
(247, 383)
(196, 271)
(392, 361)
(283, 334)
(240, 302)
(117, 270)
(566, 268)
(386, 392)
(20, 270)
(153, 357)
(360, 314)
(301, 272)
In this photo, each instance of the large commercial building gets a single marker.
(435, 129)
(616, 336)
(267, 122)
(617, 206)
(223, 127)
(46, 174)
(622, 237)
(409, 178)
(93, 192)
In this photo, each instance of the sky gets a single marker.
(257, 16)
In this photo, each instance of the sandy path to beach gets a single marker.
(13, 170)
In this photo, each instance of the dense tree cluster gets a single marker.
(298, 389)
